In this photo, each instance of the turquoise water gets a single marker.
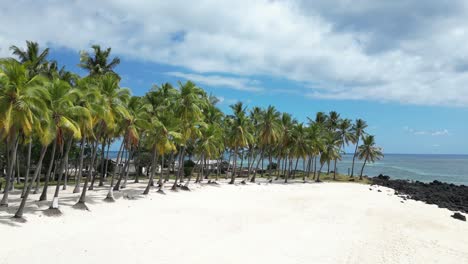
(446, 168)
(426, 168)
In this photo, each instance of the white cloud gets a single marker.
(241, 84)
(371, 50)
(442, 132)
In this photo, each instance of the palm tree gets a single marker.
(284, 145)
(359, 131)
(345, 135)
(300, 146)
(331, 152)
(316, 139)
(98, 63)
(22, 101)
(46, 133)
(161, 141)
(34, 60)
(189, 104)
(64, 114)
(92, 100)
(269, 131)
(369, 152)
(136, 121)
(239, 134)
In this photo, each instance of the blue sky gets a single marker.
(400, 65)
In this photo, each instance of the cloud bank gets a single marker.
(411, 52)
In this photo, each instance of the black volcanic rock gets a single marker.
(444, 195)
(459, 216)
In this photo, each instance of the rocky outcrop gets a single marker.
(445, 195)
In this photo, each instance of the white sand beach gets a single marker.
(267, 223)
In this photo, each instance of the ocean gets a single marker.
(420, 167)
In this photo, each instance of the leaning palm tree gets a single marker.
(45, 131)
(359, 131)
(369, 152)
(22, 100)
(64, 114)
(97, 64)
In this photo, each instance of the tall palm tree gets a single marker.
(98, 63)
(316, 139)
(46, 134)
(136, 121)
(188, 107)
(22, 101)
(300, 146)
(34, 60)
(359, 131)
(369, 152)
(331, 151)
(269, 131)
(64, 114)
(239, 134)
(345, 135)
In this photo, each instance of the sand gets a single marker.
(267, 223)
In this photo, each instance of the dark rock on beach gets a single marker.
(444, 195)
(459, 216)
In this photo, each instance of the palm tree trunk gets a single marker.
(153, 169)
(104, 173)
(256, 169)
(181, 166)
(66, 158)
(28, 165)
(285, 165)
(63, 163)
(229, 162)
(362, 170)
(242, 162)
(201, 163)
(103, 160)
(334, 171)
(80, 169)
(315, 166)
(43, 196)
(161, 175)
(304, 173)
(127, 170)
(278, 167)
(319, 171)
(171, 163)
(295, 168)
(354, 157)
(249, 160)
(254, 158)
(81, 204)
(110, 194)
(121, 170)
(19, 212)
(234, 171)
(11, 165)
(309, 165)
(91, 186)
